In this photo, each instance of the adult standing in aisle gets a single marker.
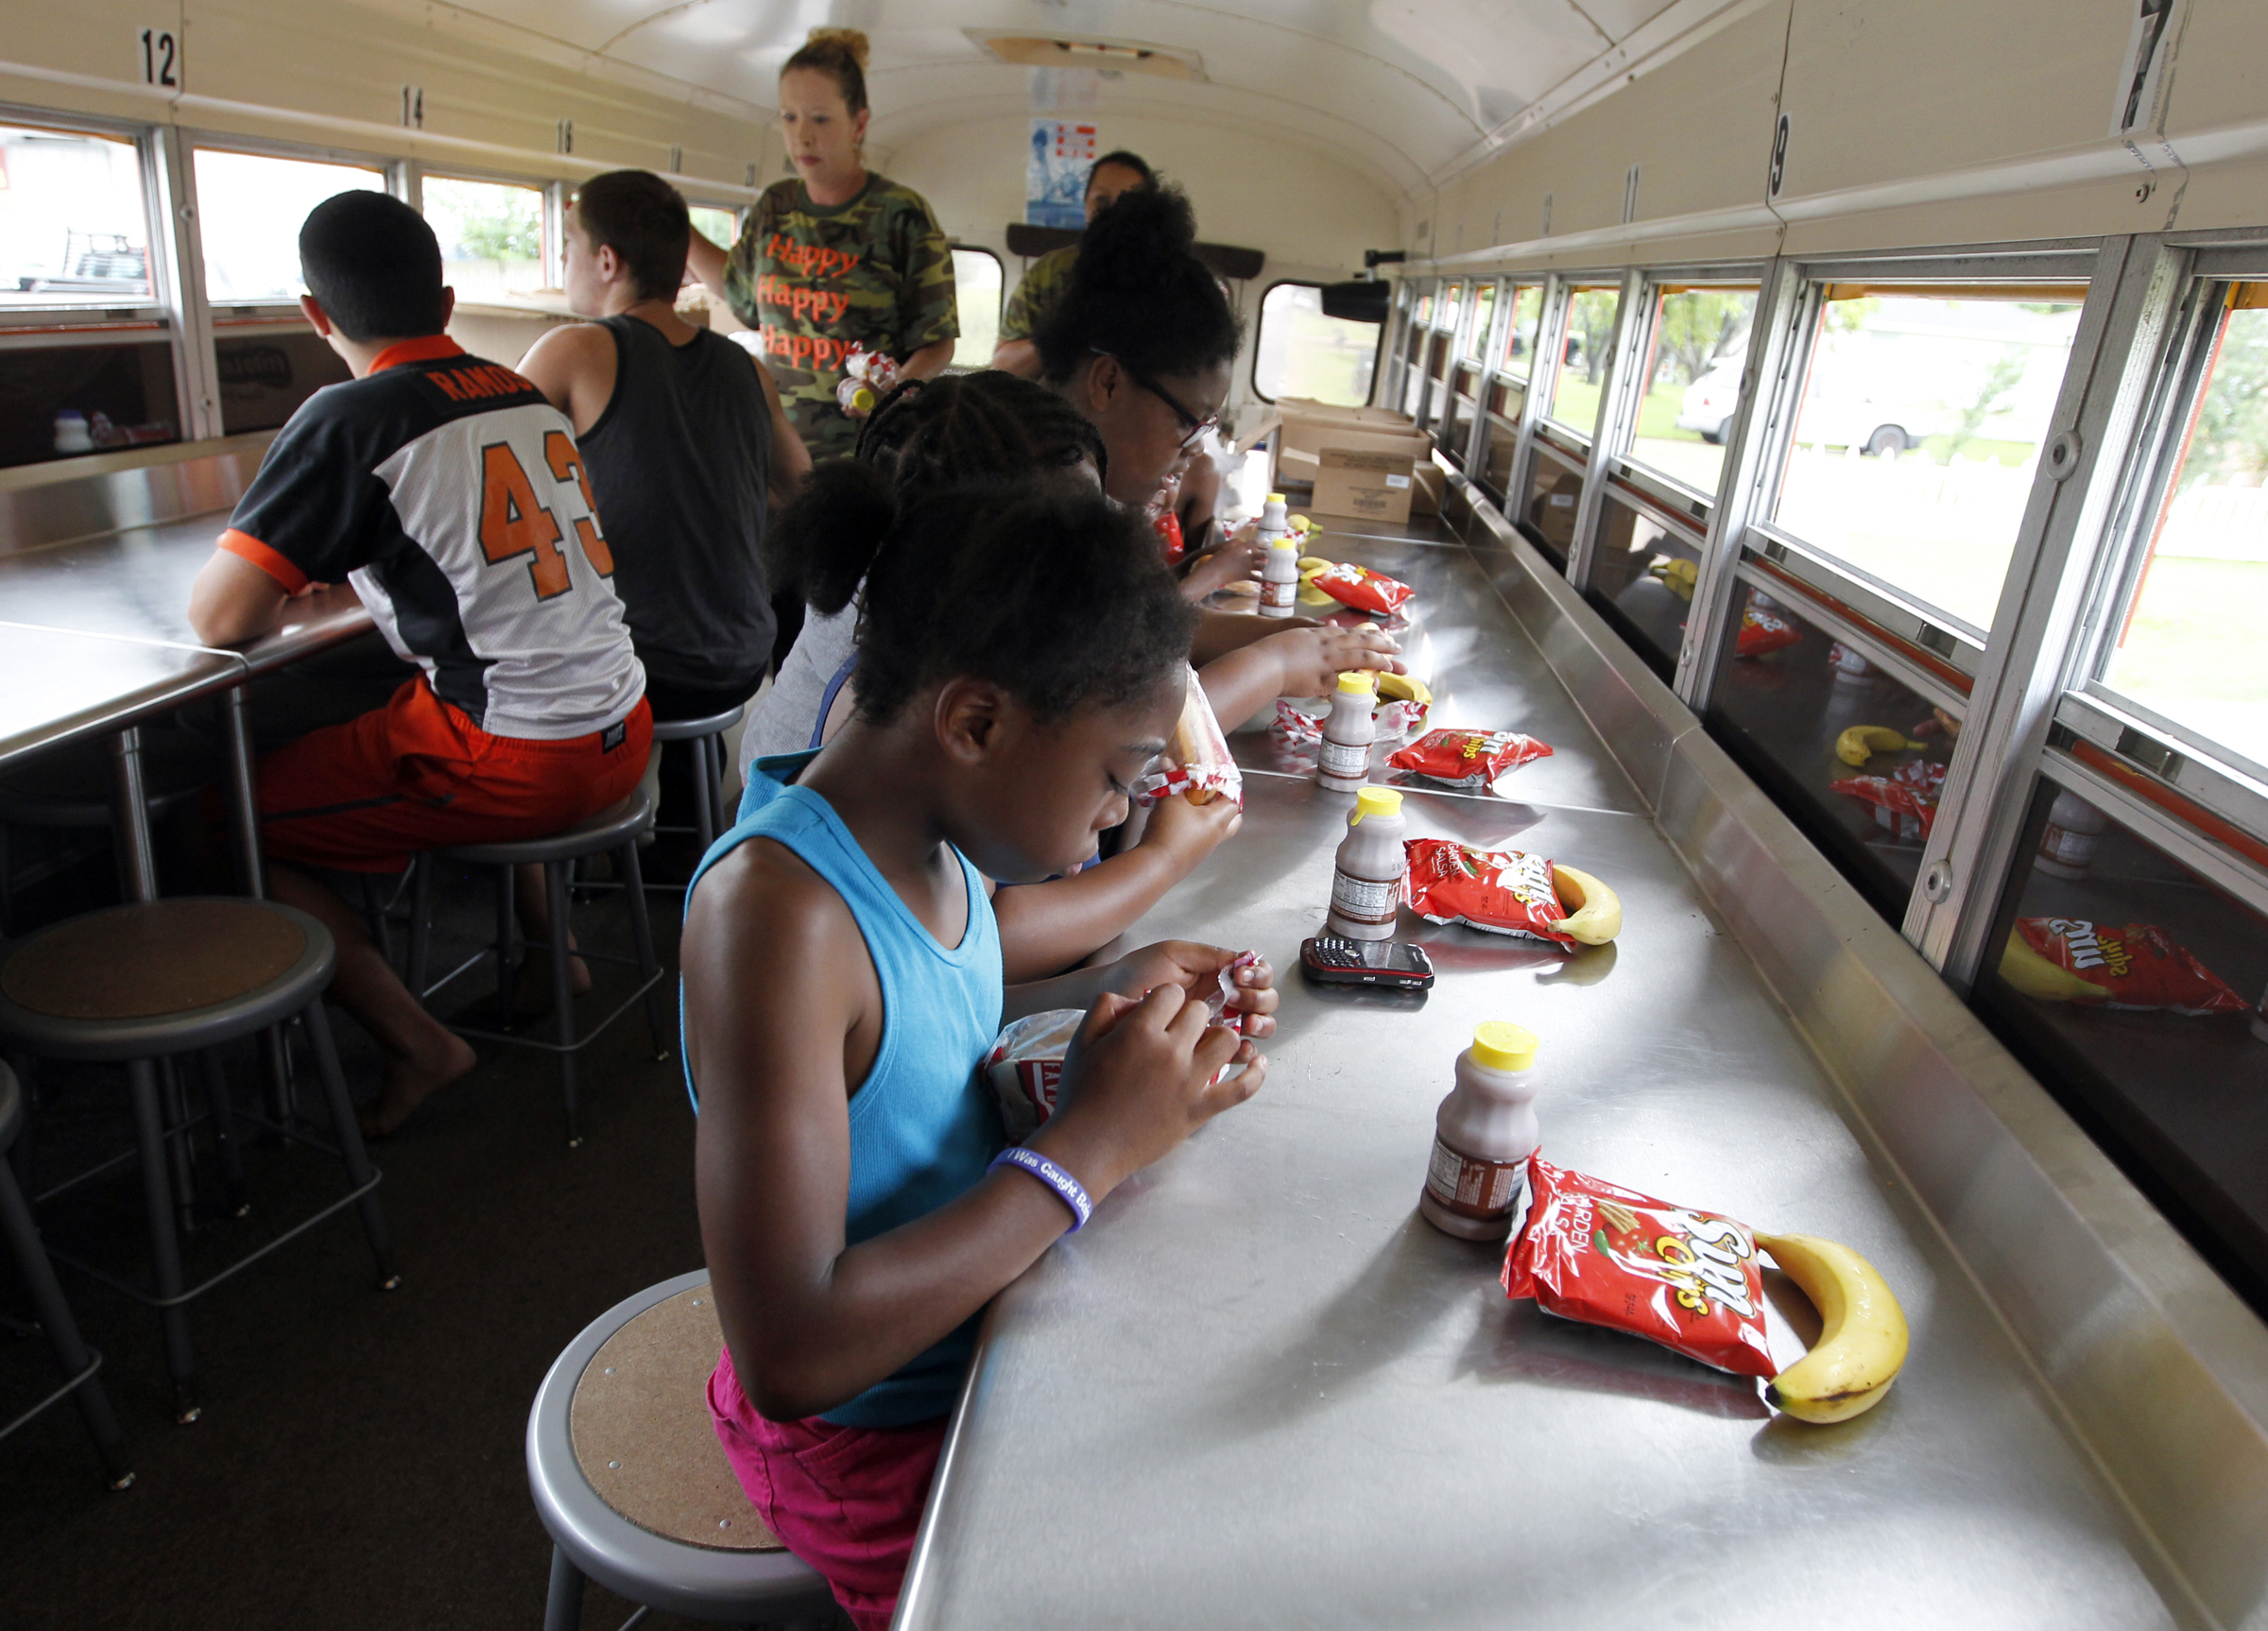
(687, 448)
(1050, 275)
(838, 257)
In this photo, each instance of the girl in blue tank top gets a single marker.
(1022, 660)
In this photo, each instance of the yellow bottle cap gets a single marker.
(1359, 682)
(1375, 801)
(1290, 543)
(1497, 1046)
(1275, 498)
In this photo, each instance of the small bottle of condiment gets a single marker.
(1343, 765)
(1365, 884)
(2067, 848)
(1275, 518)
(1484, 1134)
(1279, 579)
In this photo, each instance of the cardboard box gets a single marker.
(1365, 485)
(1298, 469)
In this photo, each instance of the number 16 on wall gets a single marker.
(158, 58)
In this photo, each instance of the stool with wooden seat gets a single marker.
(711, 816)
(137, 983)
(612, 831)
(79, 1363)
(633, 1485)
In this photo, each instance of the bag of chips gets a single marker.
(1503, 891)
(1026, 1067)
(1469, 758)
(1599, 1253)
(1362, 589)
(1905, 802)
(1763, 629)
(1197, 764)
(2112, 966)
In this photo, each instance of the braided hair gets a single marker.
(1041, 586)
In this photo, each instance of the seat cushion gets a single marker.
(640, 1425)
(162, 958)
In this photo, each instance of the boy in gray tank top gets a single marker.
(687, 452)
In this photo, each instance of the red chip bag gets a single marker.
(1361, 588)
(1596, 1252)
(1905, 802)
(1469, 758)
(1503, 891)
(2130, 965)
(1764, 630)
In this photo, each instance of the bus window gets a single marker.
(1643, 573)
(1301, 353)
(492, 238)
(1579, 383)
(2184, 644)
(2127, 981)
(250, 209)
(1554, 497)
(1484, 313)
(1692, 382)
(976, 292)
(75, 232)
(1919, 433)
(1520, 334)
(720, 227)
(1789, 692)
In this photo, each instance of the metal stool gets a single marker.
(708, 738)
(79, 1363)
(633, 1485)
(614, 830)
(133, 985)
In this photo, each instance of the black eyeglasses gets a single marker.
(1195, 427)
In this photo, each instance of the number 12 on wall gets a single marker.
(157, 54)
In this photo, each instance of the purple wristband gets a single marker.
(1068, 1189)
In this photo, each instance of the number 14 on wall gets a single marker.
(158, 58)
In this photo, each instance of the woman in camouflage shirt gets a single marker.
(837, 257)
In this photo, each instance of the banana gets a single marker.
(1681, 576)
(1597, 914)
(1402, 688)
(1863, 1335)
(1299, 523)
(1310, 564)
(1862, 742)
(2035, 976)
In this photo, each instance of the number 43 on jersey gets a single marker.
(514, 522)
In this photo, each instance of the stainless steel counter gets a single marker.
(60, 686)
(1259, 1391)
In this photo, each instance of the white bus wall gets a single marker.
(1311, 212)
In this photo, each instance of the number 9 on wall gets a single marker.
(158, 58)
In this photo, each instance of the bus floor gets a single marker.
(359, 1460)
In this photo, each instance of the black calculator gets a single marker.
(1337, 960)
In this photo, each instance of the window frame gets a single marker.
(193, 140)
(156, 307)
(1260, 320)
(551, 225)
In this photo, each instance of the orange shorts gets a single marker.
(418, 773)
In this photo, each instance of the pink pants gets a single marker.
(846, 1500)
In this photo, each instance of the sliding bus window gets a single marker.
(1919, 433)
(1696, 350)
(1554, 496)
(1790, 696)
(74, 230)
(2182, 637)
(1579, 383)
(719, 226)
(1300, 351)
(251, 207)
(1518, 360)
(491, 236)
(1484, 314)
(1643, 570)
(977, 282)
(2129, 982)
(1508, 395)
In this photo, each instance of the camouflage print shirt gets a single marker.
(1034, 298)
(875, 272)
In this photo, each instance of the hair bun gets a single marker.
(850, 42)
(1144, 229)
